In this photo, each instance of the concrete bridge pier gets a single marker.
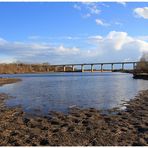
(112, 67)
(73, 68)
(101, 67)
(92, 67)
(64, 68)
(134, 66)
(82, 68)
(122, 66)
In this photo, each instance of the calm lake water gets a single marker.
(40, 93)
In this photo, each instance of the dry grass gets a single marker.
(14, 68)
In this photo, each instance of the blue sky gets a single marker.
(73, 32)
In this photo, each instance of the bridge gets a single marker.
(99, 64)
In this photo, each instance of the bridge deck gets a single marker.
(96, 64)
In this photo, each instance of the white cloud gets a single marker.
(71, 37)
(145, 38)
(122, 3)
(114, 46)
(94, 9)
(118, 23)
(118, 46)
(34, 37)
(63, 50)
(100, 22)
(118, 41)
(77, 7)
(141, 12)
(105, 5)
(143, 46)
(88, 8)
(86, 15)
(96, 37)
(47, 38)
(21, 49)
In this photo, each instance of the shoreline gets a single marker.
(80, 127)
(143, 76)
(4, 81)
(70, 71)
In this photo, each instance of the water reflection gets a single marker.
(39, 93)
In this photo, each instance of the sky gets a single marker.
(73, 32)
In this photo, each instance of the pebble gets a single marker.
(44, 142)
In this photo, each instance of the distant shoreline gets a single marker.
(76, 71)
(8, 80)
(21, 68)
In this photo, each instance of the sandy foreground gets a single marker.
(80, 127)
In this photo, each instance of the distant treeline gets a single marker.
(15, 68)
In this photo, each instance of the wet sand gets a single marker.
(80, 127)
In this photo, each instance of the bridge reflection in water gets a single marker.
(98, 64)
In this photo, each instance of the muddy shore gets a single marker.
(143, 76)
(81, 127)
(8, 80)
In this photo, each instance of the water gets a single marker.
(40, 93)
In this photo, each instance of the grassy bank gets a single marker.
(81, 127)
(14, 68)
